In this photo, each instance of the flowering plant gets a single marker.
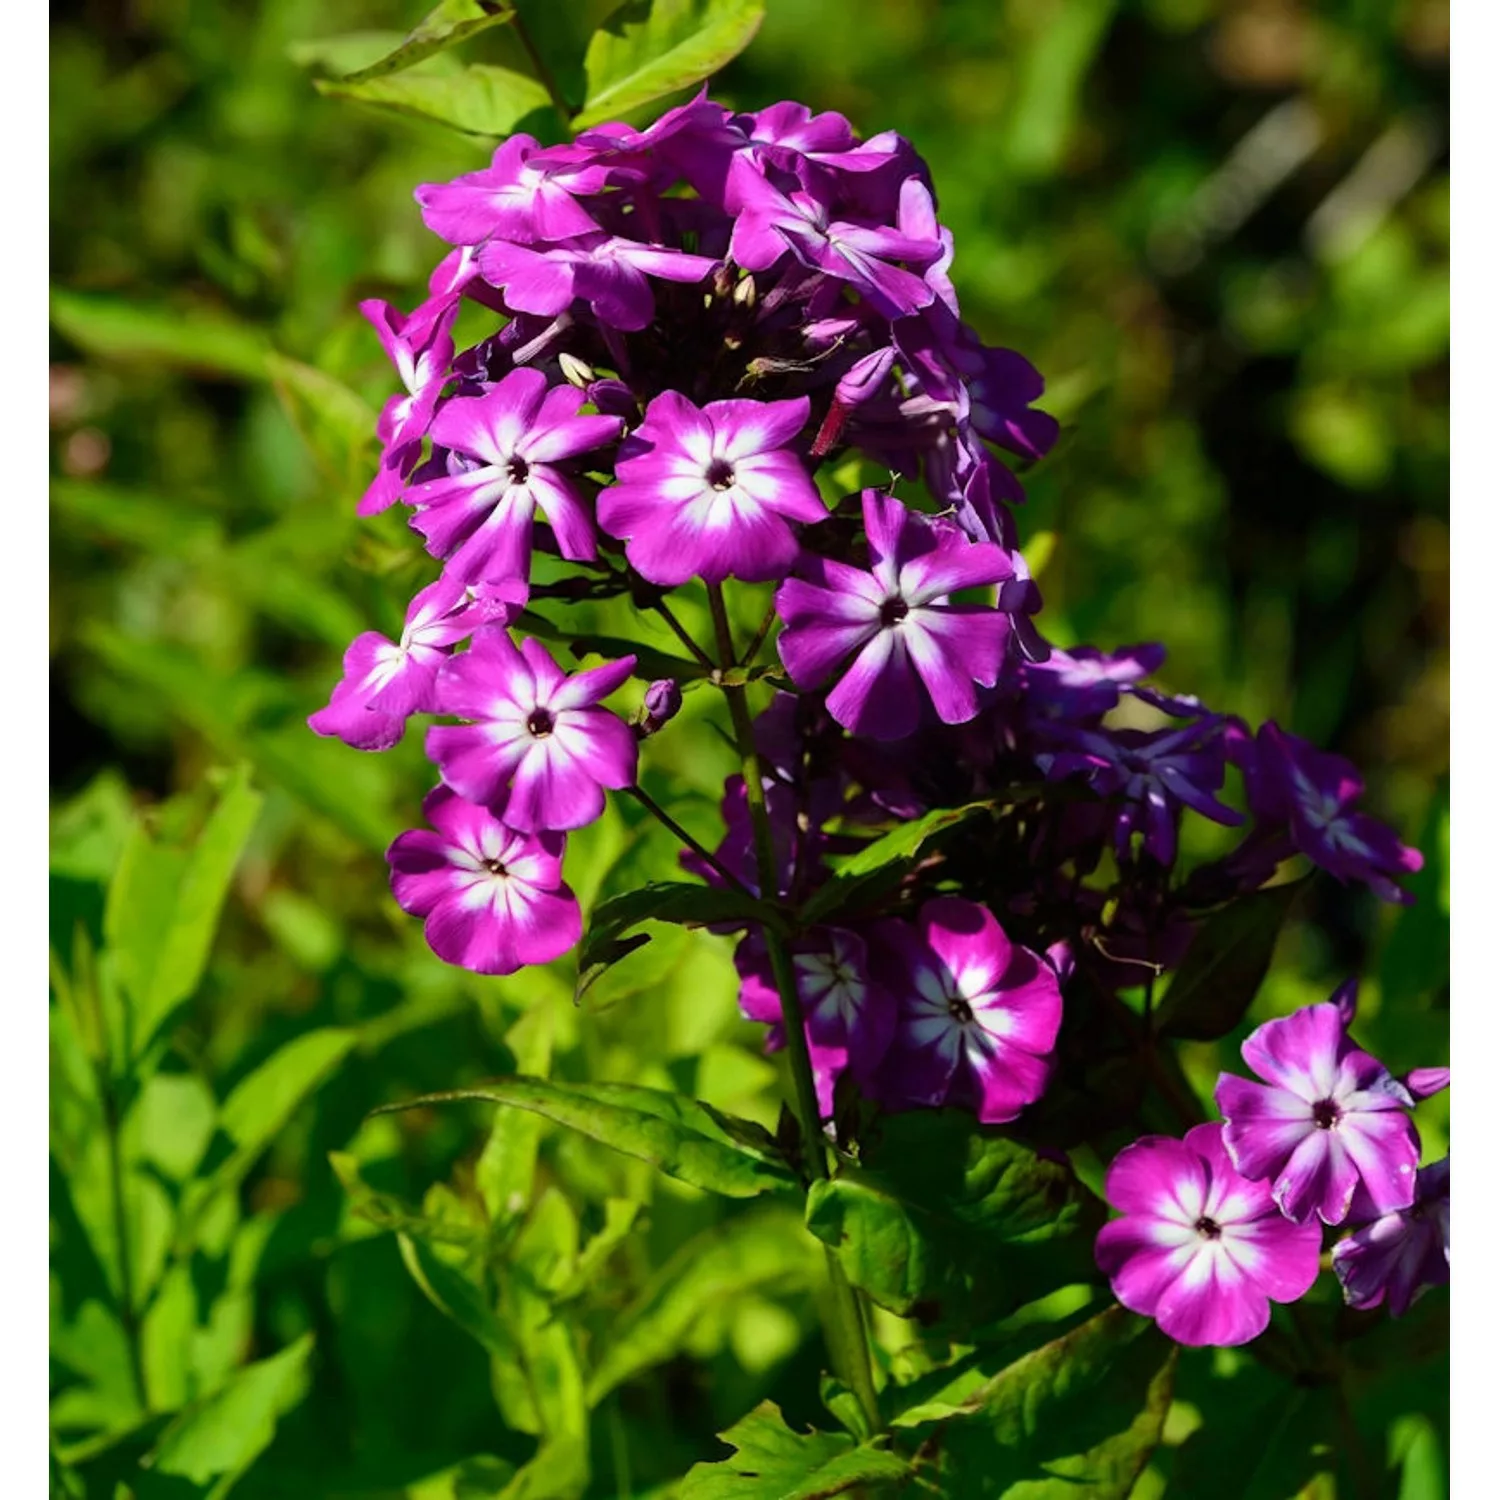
(717, 368)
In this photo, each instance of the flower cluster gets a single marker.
(1218, 1226)
(687, 330)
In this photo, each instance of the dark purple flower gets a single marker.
(849, 1018)
(711, 493)
(1312, 794)
(1084, 682)
(892, 630)
(515, 437)
(977, 1015)
(493, 898)
(1201, 1249)
(1402, 1253)
(1327, 1119)
(386, 682)
(538, 748)
(662, 704)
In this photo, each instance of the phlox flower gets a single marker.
(1394, 1259)
(515, 437)
(1328, 1118)
(711, 493)
(891, 629)
(493, 897)
(538, 748)
(1201, 1249)
(976, 1015)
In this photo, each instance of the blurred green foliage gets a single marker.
(1219, 227)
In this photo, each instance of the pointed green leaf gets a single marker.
(772, 1462)
(1225, 965)
(956, 1218)
(478, 100)
(649, 48)
(185, 338)
(445, 26)
(455, 1296)
(684, 1139)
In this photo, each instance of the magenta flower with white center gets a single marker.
(493, 898)
(1201, 1249)
(711, 493)
(386, 682)
(514, 438)
(976, 1014)
(1327, 1119)
(608, 272)
(526, 194)
(538, 748)
(1397, 1257)
(1312, 794)
(421, 348)
(890, 633)
(849, 1018)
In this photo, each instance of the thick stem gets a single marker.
(848, 1341)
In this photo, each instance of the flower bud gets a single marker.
(663, 700)
(575, 371)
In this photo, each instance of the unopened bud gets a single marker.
(744, 293)
(576, 372)
(663, 700)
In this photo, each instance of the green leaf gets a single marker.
(1225, 965)
(456, 1296)
(649, 48)
(605, 943)
(224, 1434)
(955, 1219)
(337, 424)
(390, 1213)
(188, 338)
(507, 1166)
(881, 863)
(444, 26)
(164, 903)
(772, 1462)
(684, 1139)
(478, 100)
(762, 1249)
(1076, 1419)
(347, 53)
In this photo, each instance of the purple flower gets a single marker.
(1329, 1118)
(906, 641)
(1312, 793)
(849, 1018)
(663, 702)
(1150, 774)
(532, 729)
(385, 682)
(1084, 683)
(608, 272)
(711, 493)
(1394, 1259)
(977, 1015)
(1200, 1249)
(516, 435)
(421, 348)
(526, 194)
(493, 898)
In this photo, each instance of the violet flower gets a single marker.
(1402, 1253)
(711, 493)
(385, 682)
(849, 1018)
(538, 749)
(905, 639)
(516, 435)
(493, 898)
(1201, 1249)
(1328, 1118)
(977, 1015)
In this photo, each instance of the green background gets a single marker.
(1220, 231)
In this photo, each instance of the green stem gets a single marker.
(543, 73)
(670, 823)
(699, 654)
(848, 1341)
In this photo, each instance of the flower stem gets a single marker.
(848, 1343)
(665, 611)
(670, 823)
(543, 73)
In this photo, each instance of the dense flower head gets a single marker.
(1200, 1248)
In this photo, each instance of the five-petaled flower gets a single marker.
(493, 898)
(1328, 1118)
(538, 749)
(1200, 1248)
